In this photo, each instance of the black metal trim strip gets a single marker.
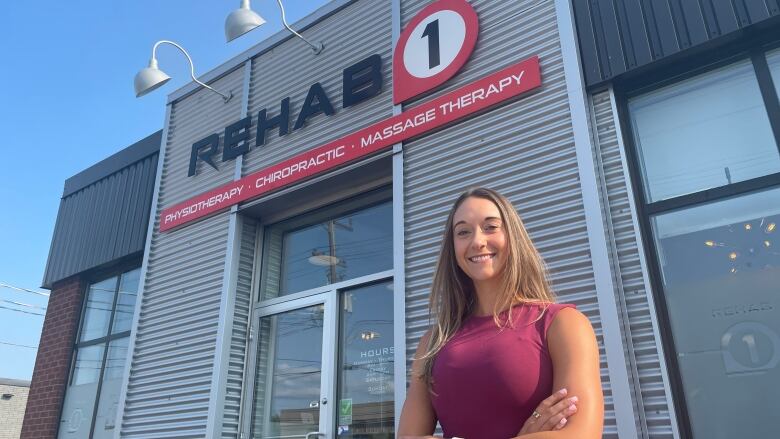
(714, 194)
(768, 92)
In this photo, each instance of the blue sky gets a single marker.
(67, 102)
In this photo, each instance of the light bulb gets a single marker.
(709, 243)
(733, 255)
(770, 227)
(748, 227)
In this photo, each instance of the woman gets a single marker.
(500, 345)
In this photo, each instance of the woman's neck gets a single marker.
(486, 297)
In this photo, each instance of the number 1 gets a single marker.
(432, 32)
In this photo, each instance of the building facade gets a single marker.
(13, 401)
(277, 284)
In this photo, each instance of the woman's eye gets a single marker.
(462, 233)
(491, 228)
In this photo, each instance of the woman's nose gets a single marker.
(478, 240)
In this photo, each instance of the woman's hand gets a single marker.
(553, 413)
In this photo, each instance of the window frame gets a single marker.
(104, 340)
(645, 210)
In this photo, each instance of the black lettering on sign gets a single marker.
(281, 121)
(203, 149)
(362, 80)
(432, 32)
(316, 102)
(236, 139)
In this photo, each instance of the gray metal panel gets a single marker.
(350, 35)
(116, 162)
(524, 149)
(655, 412)
(239, 337)
(615, 40)
(102, 222)
(172, 365)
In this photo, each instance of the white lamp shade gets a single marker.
(241, 21)
(149, 79)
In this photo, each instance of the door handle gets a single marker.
(314, 433)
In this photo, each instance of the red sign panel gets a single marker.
(433, 47)
(469, 99)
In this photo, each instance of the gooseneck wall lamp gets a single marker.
(243, 19)
(150, 78)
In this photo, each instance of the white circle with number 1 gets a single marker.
(434, 43)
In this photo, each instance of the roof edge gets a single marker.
(122, 159)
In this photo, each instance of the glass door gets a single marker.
(292, 389)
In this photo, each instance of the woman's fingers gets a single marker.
(550, 413)
(559, 412)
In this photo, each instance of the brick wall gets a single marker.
(12, 407)
(50, 377)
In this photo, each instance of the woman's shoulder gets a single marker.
(545, 313)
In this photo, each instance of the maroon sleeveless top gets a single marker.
(487, 381)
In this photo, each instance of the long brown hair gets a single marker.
(524, 278)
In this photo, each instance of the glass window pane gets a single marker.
(105, 421)
(720, 267)
(100, 300)
(773, 59)
(366, 363)
(705, 132)
(79, 402)
(125, 303)
(288, 377)
(333, 250)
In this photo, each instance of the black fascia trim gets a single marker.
(122, 159)
(714, 194)
(656, 282)
(735, 44)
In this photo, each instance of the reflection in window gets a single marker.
(100, 300)
(100, 358)
(366, 363)
(705, 132)
(720, 264)
(330, 251)
(287, 381)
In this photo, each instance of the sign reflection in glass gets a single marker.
(366, 362)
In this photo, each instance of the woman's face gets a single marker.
(479, 239)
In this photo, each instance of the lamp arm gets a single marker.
(226, 97)
(317, 48)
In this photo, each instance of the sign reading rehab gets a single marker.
(467, 100)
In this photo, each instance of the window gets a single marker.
(90, 406)
(707, 160)
(720, 264)
(708, 131)
(324, 353)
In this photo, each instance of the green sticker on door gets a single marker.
(345, 411)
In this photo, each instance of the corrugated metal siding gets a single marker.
(173, 360)
(350, 35)
(654, 410)
(524, 150)
(618, 36)
(235, 373)
(102, 222)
